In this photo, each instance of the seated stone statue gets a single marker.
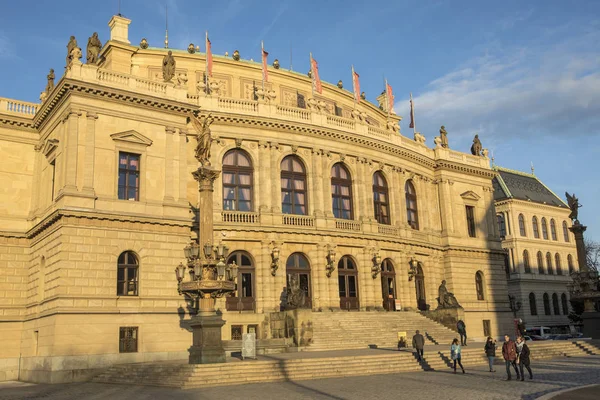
(296, 297)
(446, 299)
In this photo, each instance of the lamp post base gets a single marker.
(207, 347)
(591, 324)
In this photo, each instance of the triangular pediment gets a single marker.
(470, 195)
(49, 147)
(132, 137)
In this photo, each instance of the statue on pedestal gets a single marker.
(476, 147)
(93, 48)
(573, 205)
(296, 297)
(445, 298)
(168, 66)
(50, 84)
(70, 47)
(204, 137)
(443, 137)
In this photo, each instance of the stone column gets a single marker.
(70, 153)
(90, 150)
(37, 172)
(169, 133)
(263, 184)
(183, 175)
(275, 180)
(326, 185)
(446, 207)
(316, 186)
(206, 177)
(400, 203)
(317, 274)
(423, 203)
(264, 295)
(358, 191)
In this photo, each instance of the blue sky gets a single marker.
(524, 75)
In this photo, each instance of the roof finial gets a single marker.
(493, 159)
(532, 169)
(166, 26)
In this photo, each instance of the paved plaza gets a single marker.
(549, 376)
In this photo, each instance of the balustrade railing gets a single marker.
(151, 86)
(293, 112)
(378, 132)
(18, 107)
(238, 104)
(104, 75)
(240, 217)
(341, 122)
(387, 230)
(347, 225)
(298, 220)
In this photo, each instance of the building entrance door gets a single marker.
(420, 289)
(348, 284)
(388, 285)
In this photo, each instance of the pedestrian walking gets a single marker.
(523, 357)
(455, 354)
(509, 353)
(418, 343)
(462, 331)
(490, 352)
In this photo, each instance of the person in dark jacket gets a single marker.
(523, 357)
(462, 331)
(509, 353)
(490, 352)
(418, 343)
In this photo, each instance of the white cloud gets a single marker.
(7, 51)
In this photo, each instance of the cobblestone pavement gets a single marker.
(549, 376)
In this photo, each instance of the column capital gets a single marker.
(170, 129)
(91, 115)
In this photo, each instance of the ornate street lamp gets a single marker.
(412, 271)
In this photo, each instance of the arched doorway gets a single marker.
(348, 283)
(243, 298)
(420, 289)
(388, 284)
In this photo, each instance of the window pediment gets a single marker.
(132, 136)
(470, 196)
(49, 147)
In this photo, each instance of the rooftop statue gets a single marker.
(50, 84)
(72, 45)
(573, 205)
(476, 147)
(444, 137)
(168, 66)
(445, 298)
(94, 46)
(204, 137)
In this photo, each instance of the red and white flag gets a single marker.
(265, 72)
(412, 113)
(390, 97)
(209, 60)
(355, 85)
(316, 81)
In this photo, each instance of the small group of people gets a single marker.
(515, 353)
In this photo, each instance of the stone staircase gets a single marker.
(275, 370)
(358, 330)
(590, 347)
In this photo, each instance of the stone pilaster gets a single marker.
(183, 175)
(400, 203)
(275, 180)
(264, 291)
(315, 183)
(70, 152)
(446, 207)
(90, 149)
(319, 283)
(360, 207)
(263, 184)
(169, 184)
(326, 185)
(37, 172)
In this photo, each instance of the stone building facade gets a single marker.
(541, 252)
(98, 201)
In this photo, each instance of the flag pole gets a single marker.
(387, 98)
(312, 76)
(412, 110)
(206, 66)
(262, 55)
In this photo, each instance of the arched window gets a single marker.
(479, 285)
(237, 181)
(412, 214)
(381, 203)
(553, 229)
(557, 263)
(544, 229)
(555, 304)
(506, 264)
(547, 304)
(522, 225)
(243, 298)
(532, 304)
(388, 284)
(565, 304)
(536, 228)
(566, 231)
(348, 283)
(127, 274)
(501, 225)
(341, 192)
(540, 263)
(298, 268)
(549, 263)
(526, 264)
(570, 263)
(293, 186)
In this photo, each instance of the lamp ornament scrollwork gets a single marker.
(330, 266)
(412, 270)
(275, 259)
(376, 267)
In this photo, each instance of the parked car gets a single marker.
(537, 337)
(561, 337)
(527, 338)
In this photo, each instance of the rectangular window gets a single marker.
(236, 332)
(338, 111)
(301, 101)
(471, 220)
(487, 327)
(129, 176)
(501, 225)
(127, 280)
(128, 339)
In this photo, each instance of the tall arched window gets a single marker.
(555, 304)
(388, 284)
(298, 268)
(544, 228)
(293, 186)
(549, 263)
(565, 231)
(243, 298)
(381, 203)
(558, 264)
(547, 304)
(412, 214)
(553, 229)
(536, 228)
(565, 304)
(348, 283)
(479, 285)
(522, 225)
(540, 263)
(501, 224)
(127, 274)
(237, 181)
(570, 263)
(532, 304)
(341, 192)
(526, 264)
